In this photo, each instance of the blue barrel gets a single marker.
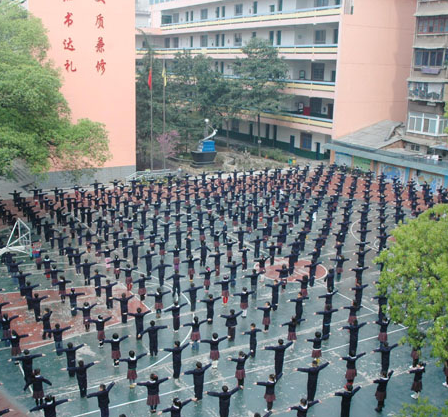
(208, 146)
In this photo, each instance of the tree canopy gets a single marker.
(415, 278)
(35, 123)
(423, 409)
(196, 91)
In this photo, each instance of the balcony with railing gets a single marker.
(325, 51)
(260, 18)
(433, 92)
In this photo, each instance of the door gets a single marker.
(274, 135)
(317, 71)
(251, 132)
(292, 140)
(317, 150)
(255, 7)
(315, 106)
(330, 110)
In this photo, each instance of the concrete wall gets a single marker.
(374, 57)
(110, 97)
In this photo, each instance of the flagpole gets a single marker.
(164, 84)
(151, 138)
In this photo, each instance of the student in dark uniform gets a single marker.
(70, 352)
(298, 305)
(153, 387)
(210, 304)
(224, 399)
(240, 373)
(253, 339)
(115, 347)
(270, 390)
(37, 382)
(351, 372)
(175, 311)
(381, 389)
(132, 366)
(48, 406)
(177, 358)
(279, 354)
(198, 379)
(195, 333)
(385, 350)
(346, 399)
(417, 385)
(152, 331)
(99, 323)
(313, 374)
(176, 408)
(214, 348)
(81, 375)
(303, 407)
(244, 300)
(231, 323)
(27, 363)
(103, 398)
(139, 317)
(266, 315)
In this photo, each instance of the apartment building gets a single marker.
(427, 91)
(348, 60)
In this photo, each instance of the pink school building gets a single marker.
(93, 43)
(348, 59)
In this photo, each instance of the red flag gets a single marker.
(150, 79)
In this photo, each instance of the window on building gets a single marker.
(167, 42)
(222, 67)
(176, 42)
(279, 5)
(279, 37)
(427, 124)
(223, 38)
(320, 3)
(204, 41)
(254, 34)
(191, 15)
(175, 17)
(319, 36)
(237, 39)
(428, 58)
(315, 106)
(415, 147)
(271, 37)
(255, 7)
(335, 36)
(216, 66)
(217, 12)
(217, 39)
(272, 8)
(317, 71)
(267, 131)
(306, 141)
(238, 9)
(438, 24)
(191, 41)
(204, 14)
(187, 16)
(235, 125)
(223, 11)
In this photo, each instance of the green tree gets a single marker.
(423, 409)
(260, 72)
(35, 123)
(415, 278)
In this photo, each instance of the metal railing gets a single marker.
(253, 17)
(148, 175)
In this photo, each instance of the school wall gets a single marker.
(374, 57)
(107, 97)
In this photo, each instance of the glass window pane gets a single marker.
(418, 124)
(411, 125)
(425, 58)
(432, 126)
